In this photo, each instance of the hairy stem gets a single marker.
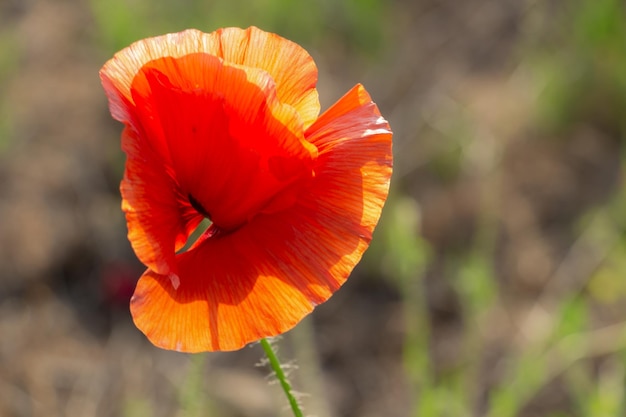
(280, 375)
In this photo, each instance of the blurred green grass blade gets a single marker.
(120, 22)
(137, 408)
(406, 258)
(192, 395)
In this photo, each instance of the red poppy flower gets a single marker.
(225, 126)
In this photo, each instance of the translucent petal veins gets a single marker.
(225, 126)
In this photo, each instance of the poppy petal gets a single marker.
(262, 279)
(230, 143)
(159, 218)
(288, 64)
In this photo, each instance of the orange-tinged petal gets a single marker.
(352, 134)
(159, 218)
(222, 302)
(265, 277)
(288, 64)
(232, 146)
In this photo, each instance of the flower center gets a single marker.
(198, 207)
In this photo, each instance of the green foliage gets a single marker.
(192, 395)
(120, 22)
(407, 252)
(137, 408)
(584, 74)
(5, 126)
(583, 78)
(9, 57)
(358, 24)
(476, 284)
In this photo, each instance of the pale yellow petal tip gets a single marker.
(364, 96)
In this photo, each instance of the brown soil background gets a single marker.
(67, 344)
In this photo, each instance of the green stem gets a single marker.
(280, 375)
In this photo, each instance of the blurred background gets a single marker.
(495, 285)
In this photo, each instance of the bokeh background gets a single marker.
(495, 285)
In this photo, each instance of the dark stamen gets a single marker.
(196, 205)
